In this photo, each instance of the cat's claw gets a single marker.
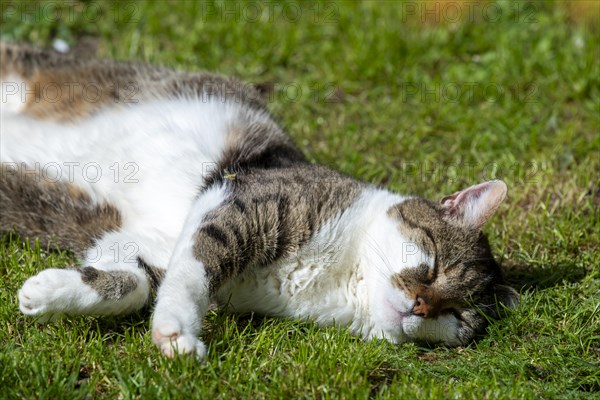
(172, 342)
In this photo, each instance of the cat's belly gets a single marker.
(300, 288)
(147, 160)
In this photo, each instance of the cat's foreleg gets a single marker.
(184, 295)
(112, 280)
(225, 234)
(182, 303)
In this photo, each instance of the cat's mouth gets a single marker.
(399, 314)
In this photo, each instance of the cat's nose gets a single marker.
(423, 307)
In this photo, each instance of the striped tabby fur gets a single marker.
(219, 205)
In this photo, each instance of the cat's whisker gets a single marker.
(372, 243)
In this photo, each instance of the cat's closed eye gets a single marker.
(424, 273)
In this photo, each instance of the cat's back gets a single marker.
(65, 87)
(52, 87)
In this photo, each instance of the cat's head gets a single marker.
(440, 280)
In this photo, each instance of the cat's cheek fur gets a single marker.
(387, 252)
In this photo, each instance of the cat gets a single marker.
(184, 184)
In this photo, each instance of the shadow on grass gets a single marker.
(120, 324)
(535, 277)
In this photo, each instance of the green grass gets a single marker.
(383, 97)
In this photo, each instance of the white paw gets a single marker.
(169, 336)
(49, 292)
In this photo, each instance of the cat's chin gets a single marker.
(388, 322)
(395, 313)
(400, 326)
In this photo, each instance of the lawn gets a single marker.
(422, 97)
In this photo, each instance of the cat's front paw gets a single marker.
(168, 335)
(50, 292)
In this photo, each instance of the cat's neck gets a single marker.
(354, 230)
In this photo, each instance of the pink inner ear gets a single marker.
(472, 192)
(449, 202)
(473, 206)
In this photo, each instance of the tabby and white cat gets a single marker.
(184, 182)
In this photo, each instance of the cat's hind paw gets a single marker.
(51, 292)
(172, 342)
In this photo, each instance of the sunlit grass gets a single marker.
(420, 107)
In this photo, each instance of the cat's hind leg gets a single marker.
(114, 280)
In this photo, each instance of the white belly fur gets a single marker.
(148, 161)
(320, 283)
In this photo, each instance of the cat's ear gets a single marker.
(472, 207)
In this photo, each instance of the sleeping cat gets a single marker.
(184, 183)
